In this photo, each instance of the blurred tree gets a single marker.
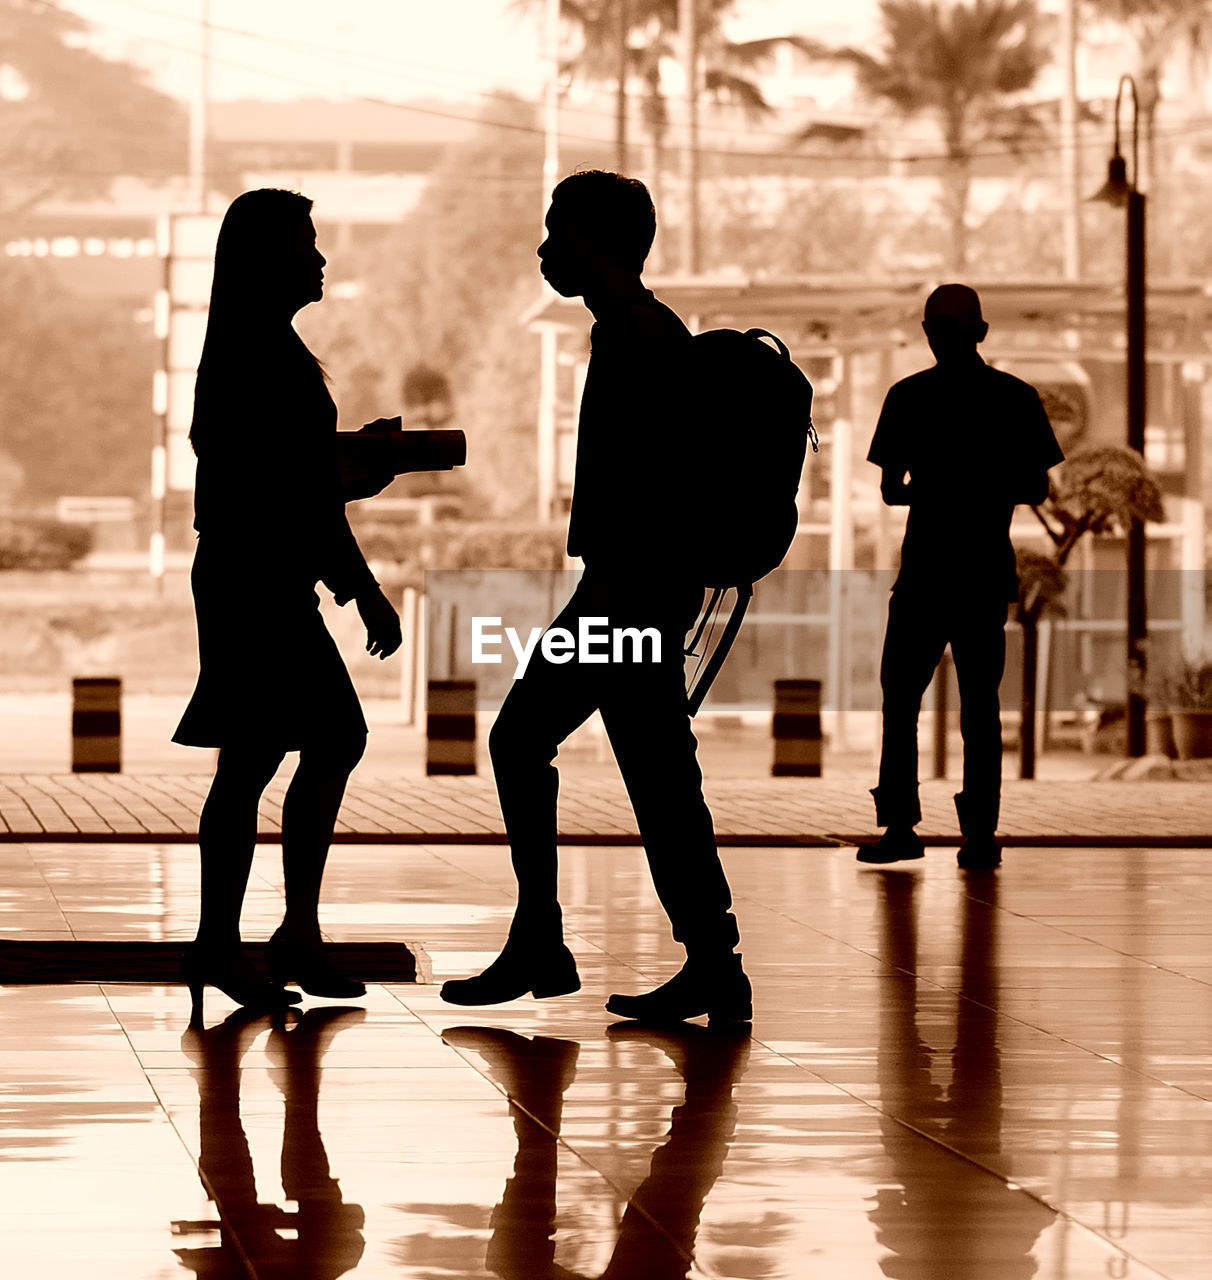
(622, 41)
(71, 120)
(427, 397)
(75, 409)
(964, 65)
(447, 289)
(606, 30)
(1099, 490)
(1159, 29)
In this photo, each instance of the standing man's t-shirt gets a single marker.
(975, 442)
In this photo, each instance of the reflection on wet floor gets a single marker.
(985, 1078)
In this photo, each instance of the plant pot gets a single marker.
(1159, 734)
(1192, 734)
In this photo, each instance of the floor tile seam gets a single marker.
(942, 1145)
(1115, 951)
(67, 924)
(170, 1119)
(999, 1013)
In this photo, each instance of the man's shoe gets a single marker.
(516, 972)
(979, 853)
(721, 991)
(897, 844)
(533, 1071)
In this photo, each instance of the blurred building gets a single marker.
(855, 338)
(365, 165)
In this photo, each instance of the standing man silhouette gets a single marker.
(960, 445)
(630, 514)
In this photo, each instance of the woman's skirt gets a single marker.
(270, 674)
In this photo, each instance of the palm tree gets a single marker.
(1159, 29)
(626, 42)
(962, 63)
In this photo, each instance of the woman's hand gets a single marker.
(381, 425)
(357, 484)
(383, 636)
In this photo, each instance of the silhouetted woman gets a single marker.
(271, 524)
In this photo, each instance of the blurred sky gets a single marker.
(393, 49)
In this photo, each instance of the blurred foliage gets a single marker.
(1188, 688)
(42, 544)
(1097, 490)
(844, 226)
(413, 548)
(963, 65)
(625, 42)
(75, 399)
(74, 120)
(447, 289)
(1041, 583)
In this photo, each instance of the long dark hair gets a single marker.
(251, 257)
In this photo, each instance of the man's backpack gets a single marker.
(752, 425)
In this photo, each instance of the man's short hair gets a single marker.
(954, 306)
(613, 211)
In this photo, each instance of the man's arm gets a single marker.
(1038, 451)
(1034, 489)
(887, 454)
(895, 490)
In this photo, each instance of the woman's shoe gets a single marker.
(304, 963)
(228, 969)
(516, 972)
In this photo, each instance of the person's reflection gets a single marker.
(946, 1217)
(322, 1239)
(657, 1233)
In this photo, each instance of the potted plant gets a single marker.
(1190, 697)
(1099, 489)
(1159, 718)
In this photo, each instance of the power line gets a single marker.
(793, 155)
(390, 63)
(372, 60)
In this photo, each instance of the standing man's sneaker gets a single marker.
(721, 991)
(979, 853)
(897, 844)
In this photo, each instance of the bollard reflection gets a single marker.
(321, 1238)
(656, 1237)
(942, 1215)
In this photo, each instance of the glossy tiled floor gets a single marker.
(948, 1078)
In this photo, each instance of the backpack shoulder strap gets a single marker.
(778, 342)
(694, 699)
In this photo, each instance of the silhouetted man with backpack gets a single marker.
(630, 513)
(960, 445)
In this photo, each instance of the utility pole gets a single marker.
(551, 100)
(549, 338)
(622, 35)
(1070, 139)
(198, 107)
(692, 236)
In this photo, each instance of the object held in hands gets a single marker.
(368, 460)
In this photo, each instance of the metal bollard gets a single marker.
(96, 724)
(450, 727)
(797, 729)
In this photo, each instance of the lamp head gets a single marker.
(1115, 190)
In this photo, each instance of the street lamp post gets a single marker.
(1123, 192)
